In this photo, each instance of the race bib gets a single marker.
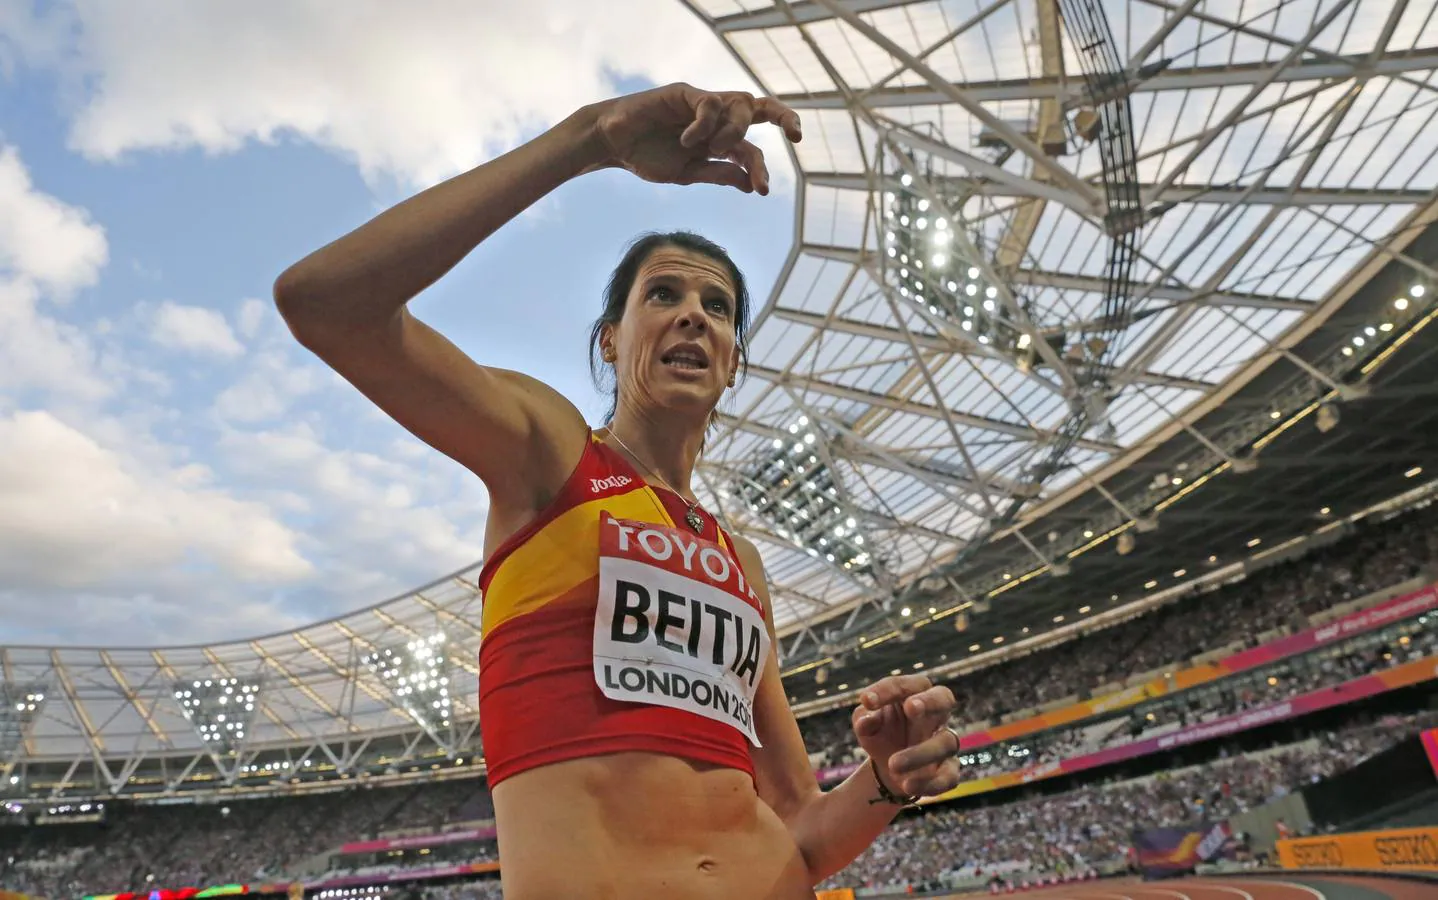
(673, 628)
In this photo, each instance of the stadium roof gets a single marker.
(1272, 162)
(1277, 148)
(119, 705)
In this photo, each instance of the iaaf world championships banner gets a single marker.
(1415, 672)
(1166, 852)
(421, 840)
(1385, 613)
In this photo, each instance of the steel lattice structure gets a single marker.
(1277, 146)
(916, 389)
(115, 719)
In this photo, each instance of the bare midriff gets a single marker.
(642, 825)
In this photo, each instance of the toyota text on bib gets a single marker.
(677, 624)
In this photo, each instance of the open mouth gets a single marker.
(685, 359)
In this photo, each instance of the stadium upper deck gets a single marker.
(1279, 247)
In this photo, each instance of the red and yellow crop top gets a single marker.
(608, 628)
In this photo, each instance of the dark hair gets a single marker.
(616, 297)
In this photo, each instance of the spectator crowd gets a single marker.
(1075, 830)
(1376, 556)
(486, 889)
(239, 841)
(1360, 656)
(1091, 825)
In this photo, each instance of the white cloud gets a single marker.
(108, 531)
(75, 514)
(43, 240)
(251, 317)
(268, 388)
(416, 91)
(28, 37)
(374, 521)
(47, 247)
(107, 535)
(194, 329)
(39, 353)
(115, 513)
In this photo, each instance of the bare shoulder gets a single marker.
(748, 555)
(753, 565)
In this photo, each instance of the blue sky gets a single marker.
(173, 468)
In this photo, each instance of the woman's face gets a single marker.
(675, 347)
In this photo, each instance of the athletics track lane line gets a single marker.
(1180, 895)
(1181, 889)
(1268, 888)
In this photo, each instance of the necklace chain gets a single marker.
(692, 517)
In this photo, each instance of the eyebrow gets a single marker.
(710, 284)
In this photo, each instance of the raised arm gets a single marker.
(347, 301)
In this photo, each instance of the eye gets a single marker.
(719, 305)
(662, 292)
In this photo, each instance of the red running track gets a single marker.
(1295, 887)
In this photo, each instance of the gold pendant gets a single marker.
(692, 519)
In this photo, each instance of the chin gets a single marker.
(696, 398)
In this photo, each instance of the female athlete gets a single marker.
(638, 740)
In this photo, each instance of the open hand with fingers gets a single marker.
(901, 722)
(678, 134)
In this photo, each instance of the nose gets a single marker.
(691, 314)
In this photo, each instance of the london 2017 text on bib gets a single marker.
(675, 626)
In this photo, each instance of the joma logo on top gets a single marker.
(613, 482)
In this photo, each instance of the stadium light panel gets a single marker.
(219, 709)
(921, 237)
(417, 676)
(790, 486)
(21, 704)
